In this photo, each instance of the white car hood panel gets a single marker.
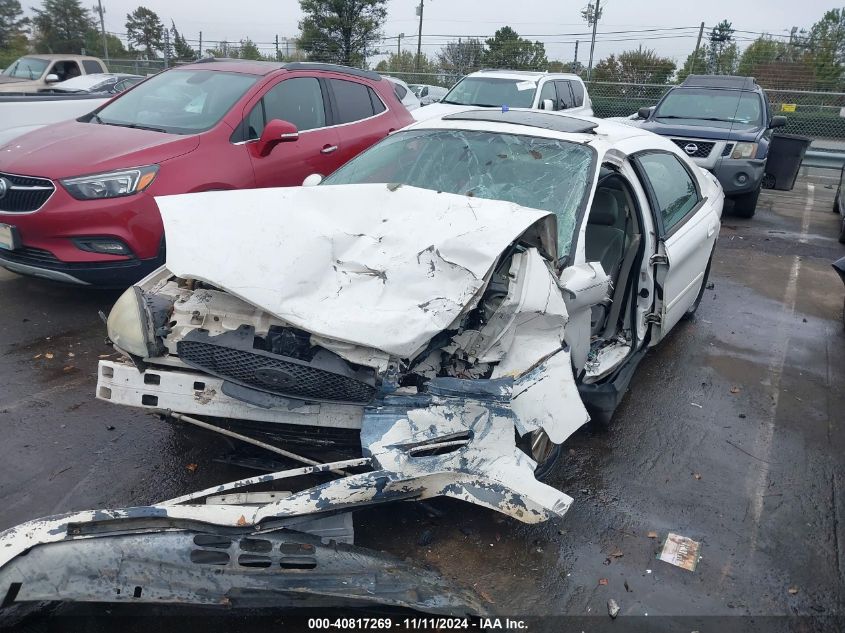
(438, 110)
(373, 265)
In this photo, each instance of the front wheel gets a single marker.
(746, 204)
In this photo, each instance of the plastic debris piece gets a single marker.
(680, 551)
(612, 608)
(49, 355)
(697, 475)
(793, 590)
(652, 534)
(603, 581)
(735, 389)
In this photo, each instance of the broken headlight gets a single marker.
(134, 321)
(111, 185)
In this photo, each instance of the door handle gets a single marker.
(328, 149)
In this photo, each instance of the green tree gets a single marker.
(507, 50)
(638, 66)
(181, 49)
(12, 24)
(145, 31)
(248, 50)
(223, 49)
(461, 57)
(718, 56)
(94, 45)
(340, 31)
(826, 43)
(61, 26)
(404, 66)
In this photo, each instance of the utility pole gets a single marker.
(200, 44)
(399, 46)
(419, 37)
(166, 48)
(697, 46)
(593, 41)
(277, 47)
(101, 11)
(575, 61)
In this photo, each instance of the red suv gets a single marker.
(77, 198)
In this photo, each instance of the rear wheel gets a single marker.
(746, 204)
(842, 231)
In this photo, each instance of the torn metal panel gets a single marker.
(547, 398)
(326, 259)
(205, 565)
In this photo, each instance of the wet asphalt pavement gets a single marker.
(732, 434)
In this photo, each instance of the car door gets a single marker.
(548, 93)
(686, 225)
(361, 118)
(301, 101)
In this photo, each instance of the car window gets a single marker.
(400, 91)
(712, 107)
(177, 101)
(673, 187)
(539, 173)
(492, 92)
(26, 68)
(578, 92)
(564, 92)
(91, 67)
(352, 100)
(548, 92)
(378, 105)
(298, 101)
(66, 70)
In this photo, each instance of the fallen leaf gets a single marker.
(48, 355)
(603, 581)
(242, 520)
(793, 590)
(192, 468)
(734, 389)
(617, 553)
(652, 534)
(697, 475)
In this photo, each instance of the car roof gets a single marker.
(52, 56)
(531, 122)
(720, 81)
(525, 75)
(261, 68)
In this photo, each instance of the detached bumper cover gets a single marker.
(148, 555)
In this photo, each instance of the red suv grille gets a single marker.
(23, 193)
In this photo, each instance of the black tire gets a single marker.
(746, 204)
(691, 310)
(842, 231)
(835, 207)
(542, 450)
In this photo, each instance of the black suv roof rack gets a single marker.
(531, 118)
(337, 68)
(720, 81)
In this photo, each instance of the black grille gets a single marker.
(22, 200)
(703, 148)
(292, 378)
(33, 256)
(727, 151)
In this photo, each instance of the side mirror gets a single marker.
(313, 180)
(777, 121)
(644, 113)
(547, 104)
(51, 78)
(275, 132)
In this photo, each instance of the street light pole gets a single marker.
(101, 11)
(593, 42)
(419, 37)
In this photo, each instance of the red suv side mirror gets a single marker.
(275, 132)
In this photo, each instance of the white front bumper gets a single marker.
(193, 393)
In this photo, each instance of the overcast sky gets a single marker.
(261, 20)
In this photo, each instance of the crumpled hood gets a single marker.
(71, 148)
(373, 265)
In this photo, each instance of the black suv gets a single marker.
(725, 124)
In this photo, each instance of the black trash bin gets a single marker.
(786, 152)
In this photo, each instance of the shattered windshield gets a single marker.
(492, 92)
(539, 173)
(701, 106)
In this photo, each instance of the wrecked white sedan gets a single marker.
(457, 294)
(457, 298)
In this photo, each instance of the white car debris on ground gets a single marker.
(461, 294)
(512, 89)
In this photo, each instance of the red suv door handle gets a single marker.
(328, 149)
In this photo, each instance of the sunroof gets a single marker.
(532, 118)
